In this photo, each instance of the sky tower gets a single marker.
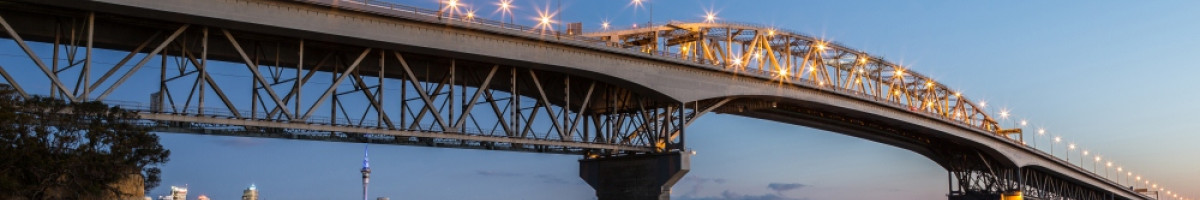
(366, 171)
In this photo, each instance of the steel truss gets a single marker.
(972, 174)
(371, 95)
(968, 180)
(794, 58)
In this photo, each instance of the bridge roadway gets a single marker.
(656, 76)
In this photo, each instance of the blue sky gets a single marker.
(1116, 78)
(1113, 77)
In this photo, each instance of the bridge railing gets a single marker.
(317, 120)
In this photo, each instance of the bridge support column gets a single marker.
(635, 177)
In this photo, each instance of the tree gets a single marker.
(53, 149)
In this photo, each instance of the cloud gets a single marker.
(551, 179)
(544, 178)
(240, 142)
(784, 187)
(730, 195)
(698, 184)
(495, 173)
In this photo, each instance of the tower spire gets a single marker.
(366, 159)
(366, 170)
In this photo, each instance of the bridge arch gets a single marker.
(723, 65)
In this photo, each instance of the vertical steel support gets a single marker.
(203, 68)
(87, 65)
(33, 56)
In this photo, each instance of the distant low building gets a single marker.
(250, 193)
(179, 193)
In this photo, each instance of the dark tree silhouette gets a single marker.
(53, 149)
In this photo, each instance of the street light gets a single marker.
(506, 11)
(1106, 168)
(451, 6)
(1127, 176)
(1082, 156)
(1069, 149)
(1056, 140)
(1041, 131)
(638, 3)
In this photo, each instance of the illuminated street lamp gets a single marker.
(1070, 148)
(450, 6)
(638, 3)
(1056, 140)
(506, 11)
(545, 20)
(1042, 132)
(1106, 168)
(1128, 175)
(1082, 157)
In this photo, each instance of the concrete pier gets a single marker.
(635, 177)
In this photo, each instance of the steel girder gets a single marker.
(371, 94)
(1032, 183)
(794, 58)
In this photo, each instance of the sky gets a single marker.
(1113, 77)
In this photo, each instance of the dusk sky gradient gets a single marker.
(1117, 78)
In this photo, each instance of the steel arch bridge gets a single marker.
(357, 71)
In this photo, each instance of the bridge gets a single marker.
(375, 72)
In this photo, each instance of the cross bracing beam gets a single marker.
(791, 57)
(295, 88)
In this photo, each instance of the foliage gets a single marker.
(53, 149)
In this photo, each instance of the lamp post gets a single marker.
(1106, 168)
(1041, 131)
(1082, 156)
(1070, 148)
(1127, 176)
(1056, 140)
(506, 11)
(1023, 123)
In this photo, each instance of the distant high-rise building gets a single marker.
(366, 172)
(250, 193)
(178, 193)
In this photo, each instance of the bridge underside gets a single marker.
(238, 81)
(213, 80)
